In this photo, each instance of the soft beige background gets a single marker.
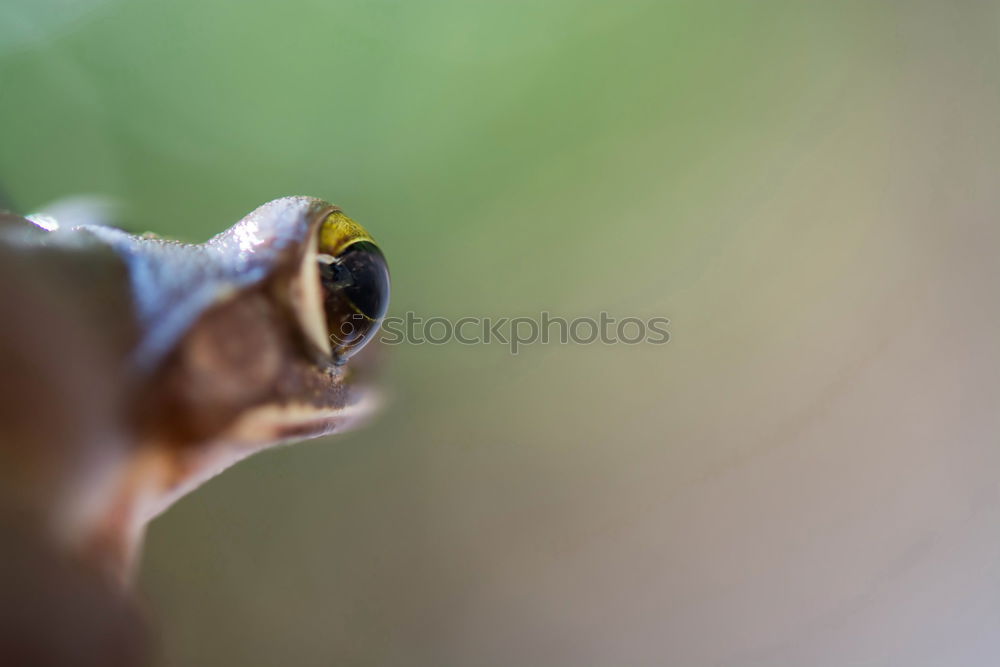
(807, 475)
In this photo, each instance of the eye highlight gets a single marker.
(354, 278)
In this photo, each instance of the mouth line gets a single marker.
(276, 424)
(262, 428)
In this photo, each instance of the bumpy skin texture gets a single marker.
(173, 283)
(132, 368)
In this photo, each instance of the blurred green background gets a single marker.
(803, 476)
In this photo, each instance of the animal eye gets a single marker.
(354, 278)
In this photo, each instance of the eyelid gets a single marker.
(307, 299)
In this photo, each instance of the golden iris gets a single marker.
(355, 281)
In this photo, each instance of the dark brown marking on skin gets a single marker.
(227, 362)
(243, 354)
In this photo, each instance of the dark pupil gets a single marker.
(355, 295)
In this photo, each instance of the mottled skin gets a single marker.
(133, 368)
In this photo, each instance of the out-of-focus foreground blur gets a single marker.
(807, 474)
